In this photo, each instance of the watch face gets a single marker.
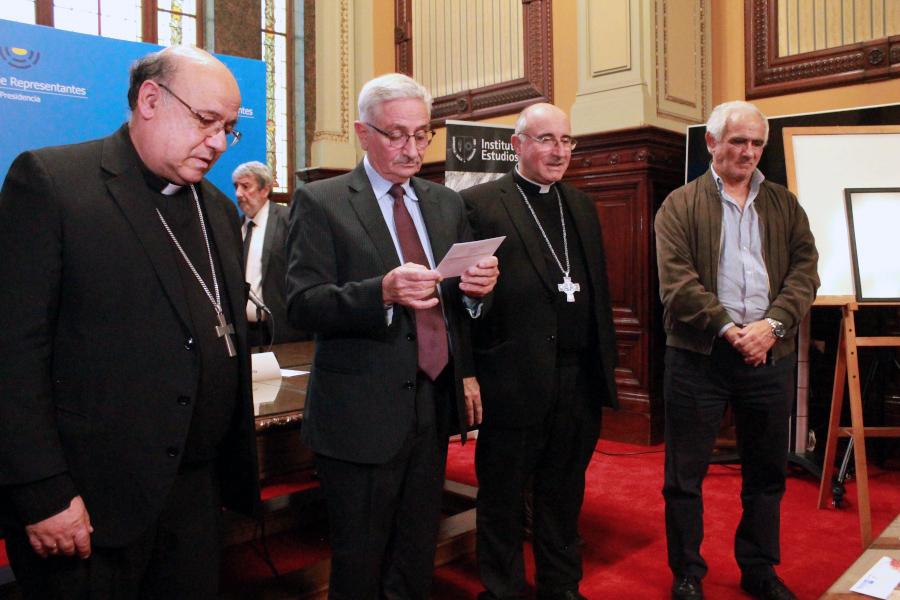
(778, 329)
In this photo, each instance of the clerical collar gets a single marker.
(528, 186)
(157, 183)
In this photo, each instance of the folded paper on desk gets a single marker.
(880, 580)
(265, 366)
(266, 377)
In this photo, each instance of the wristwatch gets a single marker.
(778, 329)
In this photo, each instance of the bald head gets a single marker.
(183, 100)
(538, 112)
(538, 141)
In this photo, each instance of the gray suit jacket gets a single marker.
(273, 269)
(360, 403)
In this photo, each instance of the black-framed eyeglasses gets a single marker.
(398, 139)
(209, 124)
(548, 141)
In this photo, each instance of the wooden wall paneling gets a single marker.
(628, 173)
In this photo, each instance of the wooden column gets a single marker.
(628, 173)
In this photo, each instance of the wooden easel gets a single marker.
(847, 369)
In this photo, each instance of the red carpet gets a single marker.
(623, 527)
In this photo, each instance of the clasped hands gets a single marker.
(753, 341)
(413, 285)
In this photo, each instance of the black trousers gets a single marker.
(697, 390)
(553, 457)
(383, 519)
(177, 558)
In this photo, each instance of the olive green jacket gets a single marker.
(688, 243)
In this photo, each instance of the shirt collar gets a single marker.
(755, 180)
(382, 186)
(541, 187)
(262, 215)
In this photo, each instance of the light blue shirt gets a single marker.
(743, 283)
(382, 188)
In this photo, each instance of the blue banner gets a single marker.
(59, 87)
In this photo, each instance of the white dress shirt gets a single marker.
(253, 276)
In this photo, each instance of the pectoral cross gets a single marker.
(226, 330)
(569, 288)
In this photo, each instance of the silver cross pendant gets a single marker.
(569, 288)
(226, 330)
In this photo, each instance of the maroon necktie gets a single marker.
(431, 330)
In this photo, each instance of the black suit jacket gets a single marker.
(96, 347)
(360, 403)
(514, 344)
(273, 275)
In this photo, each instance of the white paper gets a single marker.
(265, 366)
(262, 394)
(292, 373)
(466, 254)
(881, 579)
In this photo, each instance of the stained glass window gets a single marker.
(176, 22)
(18, 10)
(108, 18)
(275, 16)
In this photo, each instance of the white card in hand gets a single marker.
(466, 254)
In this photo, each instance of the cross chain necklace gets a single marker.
(566, 287)
(223, 329)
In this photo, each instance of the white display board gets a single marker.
(821, 163)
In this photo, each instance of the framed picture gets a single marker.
(872, 218)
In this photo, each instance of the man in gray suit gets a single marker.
(264, 231)
(392, 344)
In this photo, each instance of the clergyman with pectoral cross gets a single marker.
(544, 356)
(126, 411)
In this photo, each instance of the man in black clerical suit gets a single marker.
(264, 231)
(392, 344)
(544, 357)
(126, 416)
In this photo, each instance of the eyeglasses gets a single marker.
(398, 139)
(548, 141)
(209, 124)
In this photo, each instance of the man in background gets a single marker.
(126, 415)
(392, 344)
(264, 231)
(545, 356)
(737, 273)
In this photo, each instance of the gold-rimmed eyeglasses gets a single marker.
(209, 124)
(548, 141)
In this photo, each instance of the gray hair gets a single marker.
(724, 112)
(157, 66)
(256, 169)
(394, 86)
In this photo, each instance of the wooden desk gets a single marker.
(278, 422)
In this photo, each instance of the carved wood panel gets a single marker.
(768, 74)
(500, 99)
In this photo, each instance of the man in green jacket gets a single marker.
(737, 272)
